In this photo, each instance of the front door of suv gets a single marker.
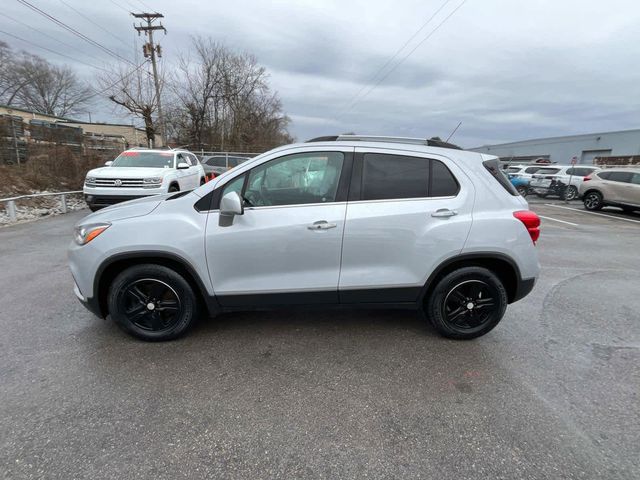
(285, 247)
(406, 214)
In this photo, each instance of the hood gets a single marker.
(132, 208)
(127, 172)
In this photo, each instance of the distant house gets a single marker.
(133, 136)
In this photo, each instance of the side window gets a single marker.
(604, 175)
(181, 158)
(571, 171)
(581, 172)
(532, 169)
(636, 179)
(443, 183)
(216, 162)
(295, 180)
(393, 176)
(234, 185)
(193, 158)
(624, 177)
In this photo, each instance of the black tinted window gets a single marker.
(604, 175)
(443, 183)
(620, 176)
(394, 176)
(532, 169)
(580, 171)
(493, 166)
(217, 162)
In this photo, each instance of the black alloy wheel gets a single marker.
(466, 303)
(593, 201)
(469, 305)
(152, 302)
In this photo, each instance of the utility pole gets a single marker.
(152, 51)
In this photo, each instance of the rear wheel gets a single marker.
(593, 201)
(152, 302)
(467, 303)
(571, 193)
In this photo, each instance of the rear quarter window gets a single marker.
(493, 167)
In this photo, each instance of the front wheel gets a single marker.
(152, 302)
(593, 201)
(467, 303)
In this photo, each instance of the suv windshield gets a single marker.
(144, 159)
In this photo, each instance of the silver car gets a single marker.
(350, 222)
(617, 187)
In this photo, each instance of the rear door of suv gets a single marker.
(406, 213)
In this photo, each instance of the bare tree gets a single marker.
(31, 82)
(222, 99)
(51, 89)
(132, 89)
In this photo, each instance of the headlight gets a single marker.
(90, 180)
(153, 180)
(83, 234)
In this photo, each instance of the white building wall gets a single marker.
(562, 149)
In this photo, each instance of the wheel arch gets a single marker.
(500, 264)
(112, 266)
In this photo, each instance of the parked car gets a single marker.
(139, 173)
(346, 222)
(616, 187)
(218, 164)
(521, 184)
(523, 171)
(567, 180)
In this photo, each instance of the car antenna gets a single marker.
(454, 131)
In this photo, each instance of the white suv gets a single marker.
(344, 222)
(568, 175)
(142, 172)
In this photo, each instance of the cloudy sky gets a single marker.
(506, 69)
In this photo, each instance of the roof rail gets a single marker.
(431, 142)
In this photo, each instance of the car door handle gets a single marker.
(321, 225)
(444, 213)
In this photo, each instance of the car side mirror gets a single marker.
(108, 164)
(230, 206)
(183, 166)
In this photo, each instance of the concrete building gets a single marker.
(133, 136)
(608, 147)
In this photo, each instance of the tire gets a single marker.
(467, 303)
(629, 209)
(542, 195)
(93, 208)
(174, 188)
(152, 302)
(522, 190)
(570, 193)
(593, 201)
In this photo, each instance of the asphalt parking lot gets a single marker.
(552, 392)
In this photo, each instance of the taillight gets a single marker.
(531, 222)
(586, 178)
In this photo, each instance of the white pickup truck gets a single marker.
(139, 173)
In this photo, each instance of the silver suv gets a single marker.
(346, 222)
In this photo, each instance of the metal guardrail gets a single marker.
(11, 201)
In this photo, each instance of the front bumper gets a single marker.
(91, 304)
(94, 200)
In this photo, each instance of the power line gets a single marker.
(390, 59)
(40, 32)
(145, 5)
(106, 89)
(94, 23)
(75, 32)
(119, 6)
(53, 51)
(402, 60)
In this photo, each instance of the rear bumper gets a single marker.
(524, 288)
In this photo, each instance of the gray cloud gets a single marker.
(508, 70)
